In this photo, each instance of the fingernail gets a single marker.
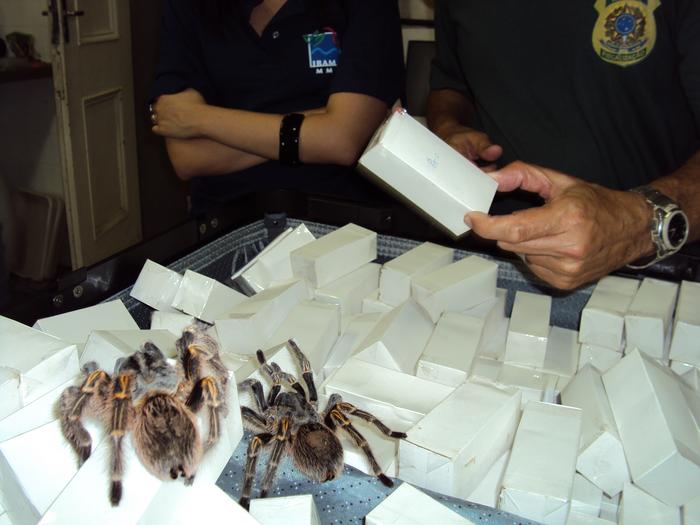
(467, 220)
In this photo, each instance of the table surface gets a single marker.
(347, 499)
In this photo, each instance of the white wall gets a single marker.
(25, 16)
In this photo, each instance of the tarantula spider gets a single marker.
(290, 423)
(157, 401)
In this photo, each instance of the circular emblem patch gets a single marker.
(625, 32)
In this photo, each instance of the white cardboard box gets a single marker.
(456, 287)
(32, 363)
(75, 327)
(601, 458)
(249, 326)
(106, 346)
(586, 497)
(409, 506)
(398, 399)
(427, 173)
(273, 263)
(657, 429)
(486, 369)
(535, 385)
(156, 286)
(603, 317)
(396, 275)
(349, 290)
(290, 510)
(177, 504)
(638, 507)
(492, 311)
(205, 298)
(691, 512)
(451, 455)
(562, 355)
(686, 327)
(451, 349)
(26, 460)
(539, 479)
(578, 518)
(335, 254)
(486, 492)
(528, 329)
(372, 304)
(609, 507)
(494, 346)
(356, 330)
(315, 327)
(173, 322)
(599, 357)
(648, 319)
(398, 339)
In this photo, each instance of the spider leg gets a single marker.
(338, 417)
(206, 391)
(281, 442)
(292, 381)
(120, 420)
(273, 374)
(306, 372)
(254, 420)
(349, 408)
(257, 390)
(75, 401)
(252, 454)
(332, 401)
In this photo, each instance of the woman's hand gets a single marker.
(175, 116)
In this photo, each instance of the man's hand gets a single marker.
(581, 233)
(475, 145)
(175, 115)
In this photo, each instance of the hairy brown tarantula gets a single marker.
(289, 423)
(156, 400)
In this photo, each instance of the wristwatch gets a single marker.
(669, 226)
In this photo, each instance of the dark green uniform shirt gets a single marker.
(606, 90)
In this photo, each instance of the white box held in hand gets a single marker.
(452, 347)
(335, 254)
(456, 287)
(603, 317)
(685, 345)
(396, 274)
(398, 339)
(601, 458)
(528, 329)
(427, 173)
(75, 327)
(539, 479)
(205, 298)
(156, 286)
(657, 429)
(409, 506)
(649, 317)
(290, 510)
(272, 264)
(451, 449)
(32, 363)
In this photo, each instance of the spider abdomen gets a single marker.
(317, 452)
(166, 437)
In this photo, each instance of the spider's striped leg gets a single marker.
(306, 371)
(258, 394)
(119, 424)
(341, 419)
(76, 401)
(280, 444)
(253, 420)
(349, 408)
(206, 391)
(273, 374)
(326, 415)
(256, 444)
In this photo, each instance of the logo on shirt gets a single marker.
(324, 51)
(625, 32)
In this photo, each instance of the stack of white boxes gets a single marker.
(423, 343)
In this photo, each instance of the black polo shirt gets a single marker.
(296, 64)
(606, 90)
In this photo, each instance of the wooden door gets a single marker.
(95, 113)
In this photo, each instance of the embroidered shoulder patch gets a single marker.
(323, 49)
(625, 32)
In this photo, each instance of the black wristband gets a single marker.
(289, 139)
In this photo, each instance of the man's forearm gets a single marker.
(683, 186)
(199, 157)
(447, 108)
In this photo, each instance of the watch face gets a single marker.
(677, 230)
